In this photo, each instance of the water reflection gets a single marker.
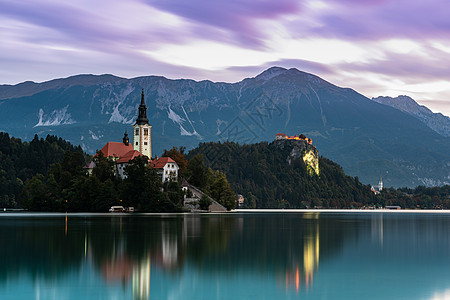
(302, 273)
(221, 256)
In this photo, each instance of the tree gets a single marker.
(104, 167)
(36, 195)
(221, 191)
(196, 172)
(178, 156)
(204, 202)
(142, 188)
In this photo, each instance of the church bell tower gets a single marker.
(142, 131)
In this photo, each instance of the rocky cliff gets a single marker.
(301, 149)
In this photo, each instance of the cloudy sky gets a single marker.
(377, 47)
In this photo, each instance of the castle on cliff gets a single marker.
(301, 137)
(302, 148)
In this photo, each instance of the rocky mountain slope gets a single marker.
(367, 138)
(436, 121)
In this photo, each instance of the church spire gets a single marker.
(142, 116)
(142, 131)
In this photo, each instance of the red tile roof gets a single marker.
(161, 162)
(129, 156)
(115, 149)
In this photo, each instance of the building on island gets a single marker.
(166, 167)
(377, 188)
(122, 153)
(123, 161)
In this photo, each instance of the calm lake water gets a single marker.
(277, 255)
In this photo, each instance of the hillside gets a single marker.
(367, 138)
(274, 175)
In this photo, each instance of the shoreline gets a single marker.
(236, 211)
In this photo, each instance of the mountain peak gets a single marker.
(271, 73)
(437, 122)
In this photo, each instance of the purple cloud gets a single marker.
(235, 16)
(83, 27)
(411, 68)
(377, 19)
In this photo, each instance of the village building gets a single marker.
(240, 201)
(122, 153)
(376, 189)
(166, 167)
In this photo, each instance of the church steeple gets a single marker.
(142, 131)
(142, 116)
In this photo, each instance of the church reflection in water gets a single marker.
(228, 256)
(126, 250)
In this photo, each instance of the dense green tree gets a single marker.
(204, 202)
(20, 161)
(220, 190)
(37, 195)
(196, 172)
(175, 193)
(177, 154)
(142, 188)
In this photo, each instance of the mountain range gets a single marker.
(436, 121)
(370, 138)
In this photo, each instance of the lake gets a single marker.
(241, 255)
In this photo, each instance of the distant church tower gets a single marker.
(142, 131)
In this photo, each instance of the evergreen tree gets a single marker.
(196, 172)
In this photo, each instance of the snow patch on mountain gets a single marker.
(189, 120)
(115, 105)
(219, 123)
(180, 120)
(55, 118)
(174, 117)
(95, 136)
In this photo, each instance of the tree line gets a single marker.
(20, 161)
(261, 173)
(48, 175)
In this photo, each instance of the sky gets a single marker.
(377, 47)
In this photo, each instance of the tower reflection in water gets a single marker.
(215, 244)
(124, 255)
(141, 280)
(303, 272)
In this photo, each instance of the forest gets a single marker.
(261, 173)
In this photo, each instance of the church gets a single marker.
(122, 153)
